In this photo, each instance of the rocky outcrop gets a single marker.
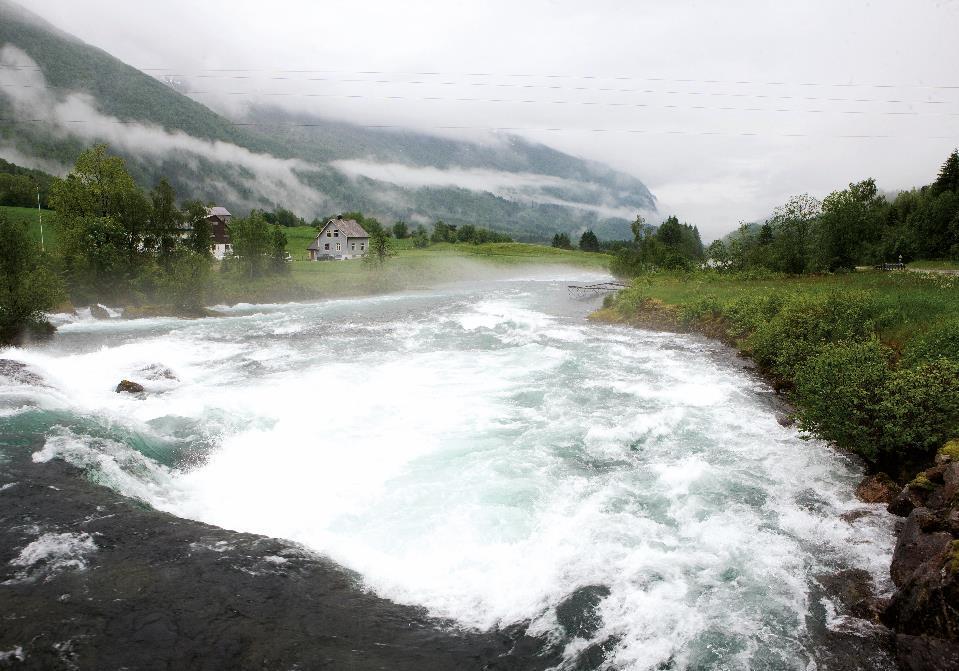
(924, 612)
(129, 387)
(878, 488)
(97, 311)
(19, 372)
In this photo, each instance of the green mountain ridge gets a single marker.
(287, 159)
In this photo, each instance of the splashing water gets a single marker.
(483, 452)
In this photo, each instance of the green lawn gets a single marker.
(911, 301)
(410, 269)
(942, 264)
(31, 216)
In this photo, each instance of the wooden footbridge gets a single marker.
(586, 290)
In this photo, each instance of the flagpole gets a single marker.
(40, 214)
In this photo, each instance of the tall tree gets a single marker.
(588, 242)
(27, 288)
(948, 179)
(253, 241)
(381, 249)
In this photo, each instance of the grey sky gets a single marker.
(641, 86)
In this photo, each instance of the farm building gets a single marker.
(339, 239)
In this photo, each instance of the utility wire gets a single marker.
(530, 75)
(515, 129)
(527, 101)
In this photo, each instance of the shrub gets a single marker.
(805, 324)
(839, 392)
(920, 409)
(942, 340)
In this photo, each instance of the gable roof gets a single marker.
(350, 227)
(218, 212)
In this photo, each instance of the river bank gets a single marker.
(922, 612)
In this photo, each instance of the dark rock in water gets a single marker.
(158, 371)
(160, 592)
(129, 387)
(919, 542)
(19, 372)
(577, 613)
(848, 587)
(594, 657)
(99, 312)
(878, 488)
(785, 420)
(908, 499)
(921, 653)
(870, 608)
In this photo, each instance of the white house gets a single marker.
(339, 239)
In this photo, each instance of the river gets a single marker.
(480, 451)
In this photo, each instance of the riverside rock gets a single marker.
(129, 387)
(99, 312)
(19, 372)
(919, 542)
(878, 488)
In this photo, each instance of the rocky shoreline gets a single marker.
(923, 614)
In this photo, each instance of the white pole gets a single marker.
(40, 214)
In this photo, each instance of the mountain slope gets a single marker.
(60, 95)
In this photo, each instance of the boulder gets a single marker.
(99, 312)
(922, 653)
(950, 480)
(129, 387)
(910, 498)
(19, 372)
(578, 615)
(920, 542)
(878, 488)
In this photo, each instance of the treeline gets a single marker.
(855, 226)
(443, 232)
(119, 243)
(19, 187)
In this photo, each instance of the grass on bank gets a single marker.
(410, 269)
(31, 216)
(869, 359)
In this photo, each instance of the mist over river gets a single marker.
(480, 451)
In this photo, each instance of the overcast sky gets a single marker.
(722, 109)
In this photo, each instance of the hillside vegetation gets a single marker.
(117, 90)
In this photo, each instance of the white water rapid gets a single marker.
(482, 451)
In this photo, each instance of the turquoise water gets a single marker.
(482, 451)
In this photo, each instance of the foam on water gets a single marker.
(485, 455)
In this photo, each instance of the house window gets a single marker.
(362, 246)
(336, 233)
(352, 246)
(337, 246)
(329, 234)
(326, 246)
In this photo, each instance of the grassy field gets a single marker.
(942, 264)
(910, 301)
(410, 269)
(31, 216)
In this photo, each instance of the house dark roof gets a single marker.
(350, 227)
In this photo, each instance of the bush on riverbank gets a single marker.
(870, 360)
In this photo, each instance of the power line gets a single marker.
(634, 131)
(583, 103)
(530, 75)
